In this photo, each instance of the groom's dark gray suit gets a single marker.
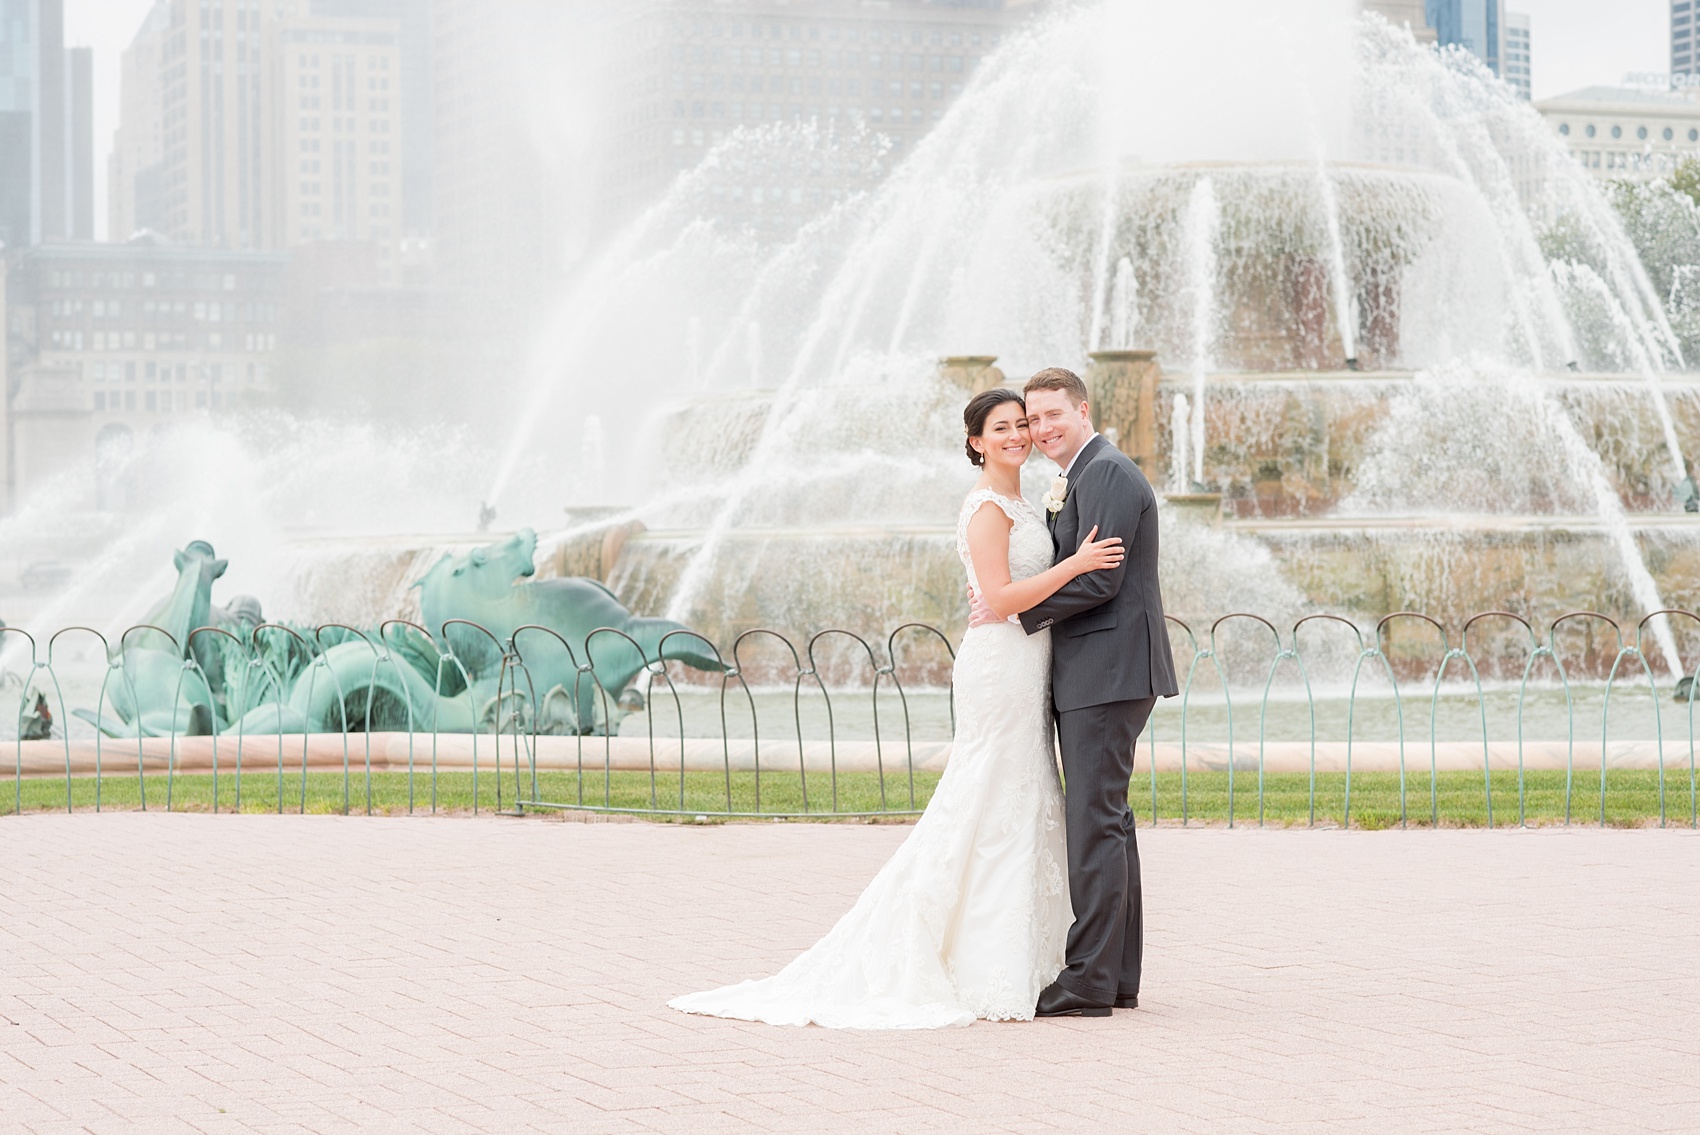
(1110, 662)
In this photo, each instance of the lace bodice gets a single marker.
(1030, 549)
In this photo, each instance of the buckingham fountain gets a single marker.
(1383, 347)
(1365, 380)
(1361, 366)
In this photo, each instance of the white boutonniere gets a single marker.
(1053, 500)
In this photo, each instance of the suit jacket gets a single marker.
(1108, 639)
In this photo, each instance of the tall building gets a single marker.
(339, 145)
(249, 125)
(198, 68)
(412, 19)
(1500, 39)
(1684, 58)
(1516, 66)
(46, 127)
(135, 167)
(1475, 25)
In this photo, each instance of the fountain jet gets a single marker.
(1203, 219)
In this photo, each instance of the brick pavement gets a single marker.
(319, 974)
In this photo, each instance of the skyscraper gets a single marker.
(260, 126)
(1475, 25)
(194, 111)
(1683, 59)
(1500, 39)
(46, 127)
(413, 24)
(338, 142)
(1516, 65)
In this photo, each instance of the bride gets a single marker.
(970, 916)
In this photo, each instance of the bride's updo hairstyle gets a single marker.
(974, 417)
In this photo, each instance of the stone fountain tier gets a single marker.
(1396, 233)
(1279, 443)
(1295, 444)
(870, 580)
(1454, 566)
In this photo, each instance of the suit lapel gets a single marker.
(1087, 452)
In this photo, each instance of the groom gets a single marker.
(1110, 662)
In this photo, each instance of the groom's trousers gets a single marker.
(1106, 944)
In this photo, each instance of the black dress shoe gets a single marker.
(1056, 1001)
(1128, 1002)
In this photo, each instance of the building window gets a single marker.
(1588, 130)
(1668, 133)
(1641, 132)
(1564, 128)
(1617, 131)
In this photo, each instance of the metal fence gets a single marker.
(844, 725)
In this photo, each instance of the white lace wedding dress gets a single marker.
(970, 917)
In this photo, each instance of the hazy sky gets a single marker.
(1581, 43)
(1576, 43)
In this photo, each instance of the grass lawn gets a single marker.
(1459, 798)
(1452, 799)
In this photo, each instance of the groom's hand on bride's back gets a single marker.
(979, 614)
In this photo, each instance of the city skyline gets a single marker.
(1580, 43)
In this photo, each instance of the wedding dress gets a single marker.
(969, 918)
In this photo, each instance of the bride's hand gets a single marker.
(1096, 555)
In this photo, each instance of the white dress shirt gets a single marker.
(1077, 454)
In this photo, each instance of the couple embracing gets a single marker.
(1012, 899)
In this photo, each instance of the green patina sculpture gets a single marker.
(480, 586)
(276, 681)
(153, 691)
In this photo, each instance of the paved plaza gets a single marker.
(318, 974)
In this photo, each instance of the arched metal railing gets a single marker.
(844, 724)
